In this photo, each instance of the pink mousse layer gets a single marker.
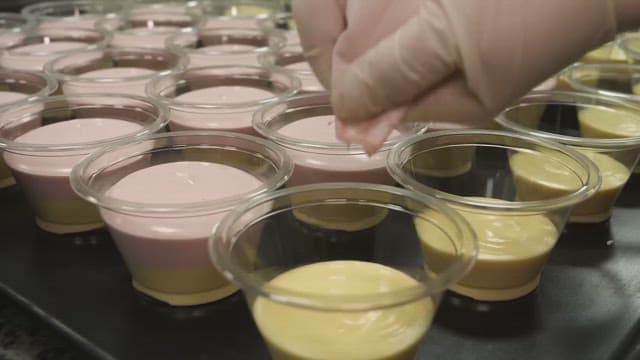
(314, 167)
(231, 119)
(46, 175)
(173, 241)
(112, 80)
(33, 57)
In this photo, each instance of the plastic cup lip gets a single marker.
(276, 40)
(591, 183)
(321, 99)
(212, 7)
(21, 23)
(556, 97)
(83, 147)
(121, 22)
(572, 73)
(51, 85)
(161, 6)
(40, 10)
(268, 58)
(152, 91)
(429, 287)
(50, 66)
(45, 33)
(630, 45)
(79, 177)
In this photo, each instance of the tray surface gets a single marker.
(587, 306)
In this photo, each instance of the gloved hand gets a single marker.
(458, 61)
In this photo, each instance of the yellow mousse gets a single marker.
(602, 122)
(513, 248)
(381, 334)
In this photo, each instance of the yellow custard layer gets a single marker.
(296, 333)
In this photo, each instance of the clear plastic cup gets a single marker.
(11, 24)
(517, 194)
(585, 122)
(225, 46)
(113, 70)
(72, 13)
(220, 97)
(20, 87)
(181, 7)
(630, 45)
(42, 140)
(243, 14)
(148, 29)
(281, 22)
(291, 58)
(162, 195)
(305, 126)
(317, 293)
(31, 50)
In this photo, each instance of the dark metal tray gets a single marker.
(587, 306)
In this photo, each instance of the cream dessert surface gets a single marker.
(537, 178)
(33, 57)
(65, 133)
(113, 86)
(513, 248)
(238, 118)
(298, 333)
(636, 89)
(152, 37)
(76, 22)
(226, 48)
(602, 122)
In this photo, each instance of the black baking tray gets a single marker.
(587, 306)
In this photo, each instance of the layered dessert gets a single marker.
(513, 248)
(82, 14)
(294, 332)
(147, 29)
(167, 255)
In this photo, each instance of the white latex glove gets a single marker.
(453, 61)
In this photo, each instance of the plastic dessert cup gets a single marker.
(161, 211)
(113, 70)
(630, 45)
(591, 124)
(12, 25)
(147, 29)
(517, 196)
(225, 46)
(291, 58)
(43, 139)
(180, 7)
(220, 97)
(31, 50)
(18, 87)
(72, 13)
(332, 294)
(244, 14)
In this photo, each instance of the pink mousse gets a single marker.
(33, 57)
(316, 165)
(117, 80)
(167, 241)
(223, 54)
(237, 118)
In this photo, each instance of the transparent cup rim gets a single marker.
(630, 45)
(268, 57)
(571, 74)
(591, 184)
(17, 146)
(152, 91)
(106, 39)
(35, 10)
(79, 183)
(29, 22)
(453, 273)
(50, 66)
(197, 21)
(207, 7)
(51, 85)
(534, 98)
(260, 125)
(170, 42)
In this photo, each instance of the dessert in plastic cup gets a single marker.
(281, 22)
(30, 51)
(161, 196)
(113, 70)
(12, 24)
(585, 122)
(244, 14)
(180, 7)
(147, 29)
(42, 140)
(220, 97)
(313, 297)
(305, 126)
(517, 196)
(18, 87)
(72, 13)
(291, 58)
(225, 46)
